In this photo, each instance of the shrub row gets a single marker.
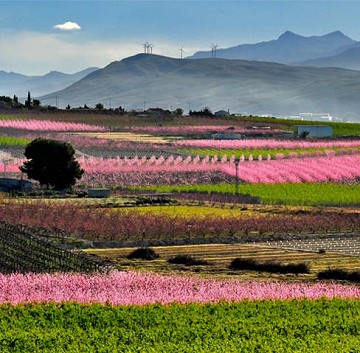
(269, 266)
(339, 274)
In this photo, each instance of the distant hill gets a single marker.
(14, 83)
(241, 86)
(349, 59)
(288, 48)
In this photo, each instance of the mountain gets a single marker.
(241, 86)
(13, 83)
(287, 49)
(349, 59)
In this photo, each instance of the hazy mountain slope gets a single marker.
(349, 59)
(241, 86)
(13, 83)
(288, 48)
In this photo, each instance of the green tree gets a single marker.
(52, 163)
(99, 106)
(178, 112)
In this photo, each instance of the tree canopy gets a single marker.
(52, 163)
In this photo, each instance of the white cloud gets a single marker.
(68, 26)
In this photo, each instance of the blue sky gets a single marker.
(111, 30)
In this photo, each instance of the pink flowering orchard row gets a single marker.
(44, 125)
(266, 143)
(298, 170)
(314, 169)
(132, 288)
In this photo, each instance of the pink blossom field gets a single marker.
(43, 125)
(296, 170)
(133, 288)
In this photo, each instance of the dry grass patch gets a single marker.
(219, 257)
(129, 136)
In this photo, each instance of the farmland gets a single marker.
(275, 202)
(246, 326)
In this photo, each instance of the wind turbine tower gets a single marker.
(213, 49)
(181, 52)
(146, 47)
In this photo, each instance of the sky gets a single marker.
(68, 36)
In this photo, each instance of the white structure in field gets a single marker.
(315, 131)
(312, 117)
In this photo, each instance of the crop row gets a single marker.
(22, 251)
(130, 225)
(320, 326)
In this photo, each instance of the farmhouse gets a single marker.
(222, 113)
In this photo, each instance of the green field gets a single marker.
(220, 152)
(13, 141)
(320, 326)
(339, 129)
(301, 194)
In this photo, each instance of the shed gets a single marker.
(315, 131)
(10, 184)
(99, 192)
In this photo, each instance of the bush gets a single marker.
(268, 266)
(143, 254)
(187, 260)
(339, 274)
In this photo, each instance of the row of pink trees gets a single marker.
(314, 169)
(133, 288)
(47, 125)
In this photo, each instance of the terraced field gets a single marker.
(219, 257)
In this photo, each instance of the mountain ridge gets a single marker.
(288, 48)
(12, 83)
(239, 85)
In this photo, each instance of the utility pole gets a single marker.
(237, 161)
(109, 103)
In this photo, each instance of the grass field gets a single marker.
(219, 257)
(310, 194)
(13, 141)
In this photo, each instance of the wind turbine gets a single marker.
(181, 52)
(213, 49)
(151, 46)
(146, 47)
